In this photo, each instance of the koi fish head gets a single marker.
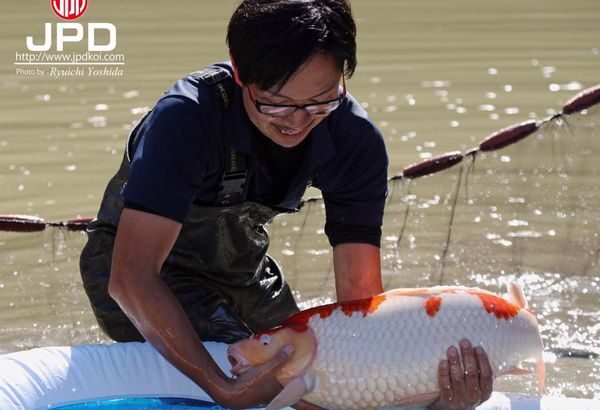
(265, 345)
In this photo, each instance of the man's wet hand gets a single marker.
(464, 384)
(257, 386)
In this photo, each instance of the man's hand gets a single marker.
(464, 386)
(255, 387)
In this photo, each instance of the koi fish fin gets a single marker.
(293, 391)
(516, 295)
(517, 371)
(541, 374)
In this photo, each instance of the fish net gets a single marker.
(524, 204)
(41, 295)
(526, 200)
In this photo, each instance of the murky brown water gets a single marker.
(435, 75)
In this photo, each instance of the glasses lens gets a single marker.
(322, 109)
(276, 111)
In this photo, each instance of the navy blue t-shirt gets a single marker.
(180, 160)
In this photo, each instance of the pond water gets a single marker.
(435, 76)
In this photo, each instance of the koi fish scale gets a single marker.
(389, 356)
(394, 353)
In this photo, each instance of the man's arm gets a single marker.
(357, 268)
(142, 244)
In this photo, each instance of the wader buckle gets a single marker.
(233, 183)
(232, 189)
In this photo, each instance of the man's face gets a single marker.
(315, 82)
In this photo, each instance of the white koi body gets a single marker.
(385, 351)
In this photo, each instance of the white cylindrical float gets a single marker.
(51, 377)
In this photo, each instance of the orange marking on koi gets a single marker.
(497, 306)
(432, 305)
(296, 327)
(366, 306)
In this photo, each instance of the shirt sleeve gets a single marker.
(169, 163)
(355, 198)
(338, 233)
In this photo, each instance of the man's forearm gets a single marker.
(357, 271)
(142, 244)
(158, 316)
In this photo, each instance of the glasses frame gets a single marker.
(258, 104)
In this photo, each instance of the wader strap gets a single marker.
(132, 139)
(232, 189)
(217, 77)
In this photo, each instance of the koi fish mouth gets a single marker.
(239, 364)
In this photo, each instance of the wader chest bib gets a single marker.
(218, 268)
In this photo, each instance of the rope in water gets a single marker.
(500, 139)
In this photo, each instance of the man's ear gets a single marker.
(236, 75)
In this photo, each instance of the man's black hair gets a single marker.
(269, 40)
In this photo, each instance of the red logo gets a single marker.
(69, 9)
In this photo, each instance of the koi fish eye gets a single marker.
(265, 339)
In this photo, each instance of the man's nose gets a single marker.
(298, 119)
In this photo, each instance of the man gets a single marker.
(222, 153)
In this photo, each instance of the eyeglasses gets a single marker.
(283, 110)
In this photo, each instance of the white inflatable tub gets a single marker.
(53, 377)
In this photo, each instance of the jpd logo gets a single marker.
(69, 9)
(73, 32)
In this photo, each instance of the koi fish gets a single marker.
(385, 350)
